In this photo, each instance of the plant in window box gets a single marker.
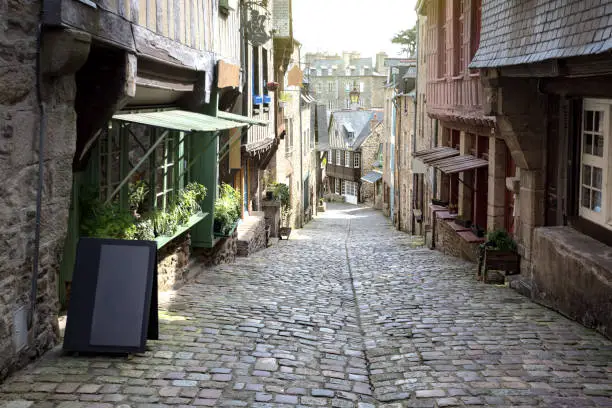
(227, 210)
(137, 194)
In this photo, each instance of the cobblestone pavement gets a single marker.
(348, 313)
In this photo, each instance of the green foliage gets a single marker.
(104, 220)
(281, 192)
(501, 240)
(137, 193)
(227, 209)
(408, 39)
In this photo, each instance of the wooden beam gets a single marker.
(596, 86)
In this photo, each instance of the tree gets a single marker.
(406, 38)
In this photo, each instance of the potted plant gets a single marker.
(227, 210)
(499, 253)
(478, 230)
(463, 222)
(441, 203)
(281, 193)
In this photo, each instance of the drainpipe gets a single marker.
(414, 130)
(301, 185)
(41, 167)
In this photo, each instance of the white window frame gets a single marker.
(337, 186)
(343, 192)
(331, 157)
(604, 216)
(338, 161)
(347, 158)
(357, 160)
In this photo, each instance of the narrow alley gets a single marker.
(348, 313)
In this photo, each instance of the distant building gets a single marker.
(332, 77)
(349, 132)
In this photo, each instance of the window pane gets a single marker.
(597, 122)
(596, 201)
(586, 175)
(599, 145)
(597, 177)
(588, 143)
(586, 197)
(588, 121)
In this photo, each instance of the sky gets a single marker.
(366, 26)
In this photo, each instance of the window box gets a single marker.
(163, 239)
(257, 99)
(218, 234)
(493, 259)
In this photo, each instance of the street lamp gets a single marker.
(354, 95)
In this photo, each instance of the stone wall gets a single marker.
(450, 243)
(224, 252)
(172, 262)
(572, 273)
(251, 234)
(19, 130)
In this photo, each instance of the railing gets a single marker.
(463, 94)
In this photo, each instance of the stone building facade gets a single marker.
(332, 77)
(548, 87)
(94, 62)
(462, 146)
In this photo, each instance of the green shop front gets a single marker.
(150, 175)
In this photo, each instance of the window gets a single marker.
(330, 86)
(441, 38)
(331, 157)
(344, 187)
(459, 51)
(594, 161)
(347, 158)
(361, 87)
(338, 160)
(119, 150)
(349, 188)
(357, 161)
(264, 68)
(337, 185)
(256, 72)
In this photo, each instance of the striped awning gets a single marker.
(372, 177)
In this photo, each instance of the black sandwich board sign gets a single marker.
(113, 299)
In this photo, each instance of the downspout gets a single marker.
(41, 167)
(301, 184)
(414, 130)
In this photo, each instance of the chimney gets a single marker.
(380, 62)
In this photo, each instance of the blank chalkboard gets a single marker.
(113, 302)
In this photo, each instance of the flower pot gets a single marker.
(284, 232)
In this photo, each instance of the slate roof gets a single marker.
(520, 32)
(359, 120)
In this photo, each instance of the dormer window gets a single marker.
(351, 135)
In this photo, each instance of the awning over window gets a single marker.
(372, 177)
(241, 119)
(458, 164)
(449, 160)
(180, 120)
(437, 153)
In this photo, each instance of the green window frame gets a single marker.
(117, 153)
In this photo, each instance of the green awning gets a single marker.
(180, 120)
(241, 119)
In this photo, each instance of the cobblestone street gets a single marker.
(348, 313)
